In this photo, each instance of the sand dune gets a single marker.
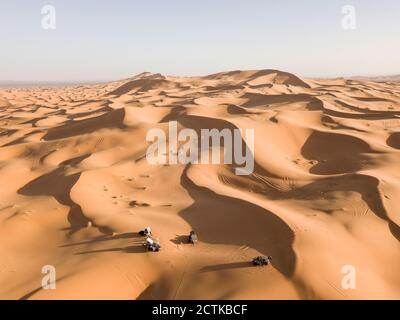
(75, 188)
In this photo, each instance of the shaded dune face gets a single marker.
(394, 140)
(113, 119)
(75, 189)
(58, 185)
(228, 220)
(335, 153)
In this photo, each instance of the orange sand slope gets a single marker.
(324, 193)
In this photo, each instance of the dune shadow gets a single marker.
(59, 185)
(227, 266)
(260, 100)
(33, 292)
(199, 123)
(223, 87)
(21, 139)
(281, 77)
(113, 119)
(365, 185)
(139, 248)
(237, 110)
(335, 153)
(366, 112)
(394, 140)
(104, 108)
(180, 239)
(144, 84)
(329, 122)
(226, 220)
(371, 99)
(8, 132)
(128, 235)
(30, 294)
(174, 114)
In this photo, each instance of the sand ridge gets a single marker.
(76, 188)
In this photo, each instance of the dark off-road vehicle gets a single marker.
(145, 232)
(151, 245)
(155, 247)
(262, 260)
(192, 237)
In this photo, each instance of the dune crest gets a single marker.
(75, 187)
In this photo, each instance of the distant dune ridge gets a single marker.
(393, 78)
(75, 188)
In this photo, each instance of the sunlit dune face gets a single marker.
(76, 187)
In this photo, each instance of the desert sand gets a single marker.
(75, 188)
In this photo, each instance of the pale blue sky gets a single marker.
(105, 40)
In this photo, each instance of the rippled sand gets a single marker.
(75, 187)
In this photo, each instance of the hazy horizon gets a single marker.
(99, 41)
(38, 83)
